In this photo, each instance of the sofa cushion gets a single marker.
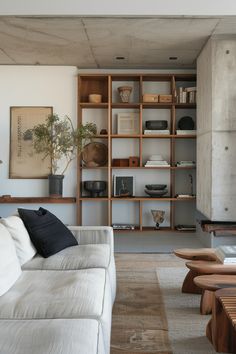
(73, 258)
(48, 234)
(52, 294)
(25, 250)
(51, 336)
(10, 269)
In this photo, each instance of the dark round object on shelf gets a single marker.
(95, 187)
(156, 193)
(156, 124)
(186, 123)
(155, 187)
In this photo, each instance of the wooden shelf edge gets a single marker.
(37, 200)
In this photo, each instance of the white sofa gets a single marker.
(61, 304)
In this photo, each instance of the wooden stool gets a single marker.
(209, 284)
(221, 329)
(197, 268)
(199, 254)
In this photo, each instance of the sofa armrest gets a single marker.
(93, 234)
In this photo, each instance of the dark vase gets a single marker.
(55, 185)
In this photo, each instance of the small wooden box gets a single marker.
(120, 162)
(149, 97)
(133, 161)
(165, 98)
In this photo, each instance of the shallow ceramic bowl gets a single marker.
(156, 187)
(156, 193)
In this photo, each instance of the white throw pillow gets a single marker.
(25, 249)
(10, 269)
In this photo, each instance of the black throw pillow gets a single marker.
(48, 234)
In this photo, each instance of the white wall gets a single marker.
(36, 86)
(121, 7)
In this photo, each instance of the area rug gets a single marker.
(185, 324)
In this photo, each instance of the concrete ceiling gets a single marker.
(95, 42)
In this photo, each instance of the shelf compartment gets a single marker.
(90, 84)
(37, 200)
(94, 212)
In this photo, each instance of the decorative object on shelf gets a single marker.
(95, 188)
(156, 124)
(95, 98)
(156, 132)
(157, 187)
(120, 162)
(158, 217)
(186, 123)
(103, 132)
(127, 123)
(124, 92)
(124, 186)
(95, 154)
(23, 163)
(156, 193)
(165, 98)
(133, 161)
(150, 97)
(186, 94)
(60, 141)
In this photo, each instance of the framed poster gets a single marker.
(124, 186)
(127, 123)
(24, 162)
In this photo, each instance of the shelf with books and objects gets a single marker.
(146, 142)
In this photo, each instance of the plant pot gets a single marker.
(55, 185)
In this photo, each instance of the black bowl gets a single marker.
(155, 187)
(156, 193)
(186, 123)
(95, 187)
(156, 124)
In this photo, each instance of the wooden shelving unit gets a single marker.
(36, 200)
(106, 85)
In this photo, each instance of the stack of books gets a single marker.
(157, 132)
(156, 161)
(226, 254)
(187, 95)
(186, 132)
(186, 164)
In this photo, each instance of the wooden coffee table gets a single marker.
(202, 254)
(209, 284)
(197, 268)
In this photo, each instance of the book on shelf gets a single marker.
(185, 163)
(123, 226)
(187, 95)
(226, 254)
(159, 132)
(186, 132)
(184, 196)
(186, 227)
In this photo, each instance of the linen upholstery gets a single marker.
(10, 269)
(98, 235)
(25, 249)
(61, 295)
(73, 258)
(61, 336)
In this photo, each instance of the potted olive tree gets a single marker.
(59, 140)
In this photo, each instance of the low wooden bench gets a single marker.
(221, 329)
